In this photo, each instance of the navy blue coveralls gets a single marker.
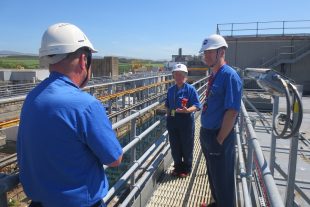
(181, 127)
(225, 93)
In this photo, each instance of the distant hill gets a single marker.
(5, 53)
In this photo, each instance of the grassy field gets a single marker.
(19, 62)
(31, 62)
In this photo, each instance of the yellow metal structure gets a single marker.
(15, 121)
(9, 123)
(131, 91)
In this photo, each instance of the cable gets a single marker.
(299, 109)
(288, 111)
(288, 86)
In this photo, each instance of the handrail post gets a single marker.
(256, 29)
(290, 189)
(133, 151)
(283, 28)
(217, 29)
(232, 29)
(249, 166)
(273, 136)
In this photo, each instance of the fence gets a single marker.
(255, 161)
(296, 27)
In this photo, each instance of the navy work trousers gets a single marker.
(220, 161)
(181, 129)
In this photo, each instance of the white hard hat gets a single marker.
(179, 67)
(213, 42)
(63, 38)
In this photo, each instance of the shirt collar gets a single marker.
(57, 75)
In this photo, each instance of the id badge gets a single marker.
(173, 112)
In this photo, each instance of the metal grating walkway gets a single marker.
(190, 191)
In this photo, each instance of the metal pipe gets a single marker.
(273, 145)
(133, 151)
(145, 177)
(200, 80)
(243, 175)
(129, 118)
(136, 140)
(117, 186)
(123, 81)
(273, 193)
(22, 97)
(289, 194)
(12, 99)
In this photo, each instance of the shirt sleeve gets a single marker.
(99, 135)
(233, 92)
(194, 99)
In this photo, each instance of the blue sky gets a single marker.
(152, 29)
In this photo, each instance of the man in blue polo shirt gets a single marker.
(219, 114)
(64, 136)
(181, 103)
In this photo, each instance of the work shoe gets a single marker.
(183, 174)
(213, 204)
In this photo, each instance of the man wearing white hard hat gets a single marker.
(181, 103)
(218, 117)
(65, 136)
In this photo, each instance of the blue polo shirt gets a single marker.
(175, 96)
(64, 138)
(226, 93)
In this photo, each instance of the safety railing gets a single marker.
(255, 165)
(283, 28)
(157, 150)
(149, 161)
(20, 90)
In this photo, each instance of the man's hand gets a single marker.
(183, 110)
(220, 140)
(227, 125)
(116, 162)
(186, 110)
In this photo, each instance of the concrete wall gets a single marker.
(23, 75)
(5, 75)
(11, 133)
(246, 52)
(108, 66)
(299, 71)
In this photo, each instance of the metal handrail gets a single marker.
(8, 182)
(243, 174)
(254, 148)
(261, 26)
(137, 187)
(20, 90)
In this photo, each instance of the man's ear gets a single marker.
(222, 52)
(82, 61)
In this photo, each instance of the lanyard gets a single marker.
(210, 84)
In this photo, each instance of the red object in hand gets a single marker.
(184, 102)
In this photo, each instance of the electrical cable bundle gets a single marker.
(295, 105)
